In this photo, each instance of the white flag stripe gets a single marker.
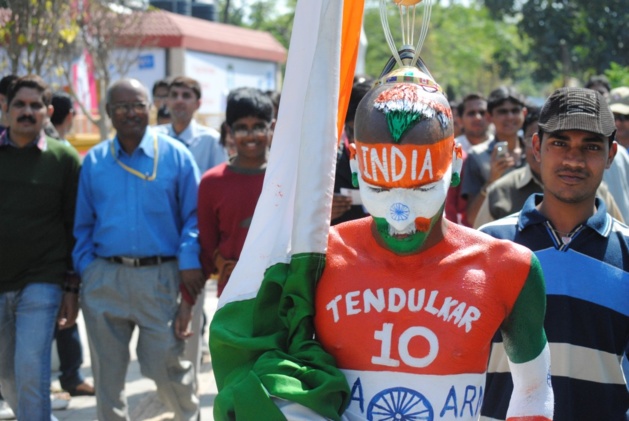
(293, 212)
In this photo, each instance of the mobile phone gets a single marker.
(502, 149)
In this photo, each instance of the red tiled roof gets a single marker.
(167, 30)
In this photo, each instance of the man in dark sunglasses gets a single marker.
(488, 162)
(619, 104)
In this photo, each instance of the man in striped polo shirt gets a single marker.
(584, 255)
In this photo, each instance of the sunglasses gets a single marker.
(506, 111)
(621, 117)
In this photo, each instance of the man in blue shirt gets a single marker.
(136, 231)
(184, 99)
(584, 254)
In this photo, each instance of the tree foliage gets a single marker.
(477, 45)
(465, 50)
(618, 75)
(47, 36)
(261, 15)
(104, 28)
(569, 38)
(230, 13)
(33, 33)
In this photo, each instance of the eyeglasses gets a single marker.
(474, 113)
(123, 108)
(621, 117)
(505, 111)
(257, 130)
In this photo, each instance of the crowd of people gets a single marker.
(554, 180)
(135, 229)
(119, 229)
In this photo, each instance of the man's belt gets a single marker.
(140, 261)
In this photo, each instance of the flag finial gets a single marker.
(408, 54)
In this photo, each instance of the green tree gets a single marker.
(618, 75)
(113, 36)
(466, 50)
(34, 33)
(569, 38)
(264, 17)
(498, 9)
(602, 37)
(261, 15)
(230, 13)
(46, 36)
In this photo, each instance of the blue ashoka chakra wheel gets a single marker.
(400, 404)
(399, 212)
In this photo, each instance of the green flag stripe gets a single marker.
(266, 345)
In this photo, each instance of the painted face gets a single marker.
(405, 216)
(406, 210)
(405, 157)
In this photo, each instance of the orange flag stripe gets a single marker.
(352, 23)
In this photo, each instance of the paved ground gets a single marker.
(144, 404)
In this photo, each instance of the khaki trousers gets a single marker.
(115, 299)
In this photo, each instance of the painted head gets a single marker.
(405, 157)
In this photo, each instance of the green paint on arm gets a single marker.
(456, 179)
(523, 331)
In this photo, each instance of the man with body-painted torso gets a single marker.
(408, 302)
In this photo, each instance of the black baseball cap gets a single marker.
(577, 109)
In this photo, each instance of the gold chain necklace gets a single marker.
(134, 171)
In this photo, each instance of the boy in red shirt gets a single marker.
(228, 193)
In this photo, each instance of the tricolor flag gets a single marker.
(261, 337)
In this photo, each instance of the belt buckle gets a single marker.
(129, 261)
